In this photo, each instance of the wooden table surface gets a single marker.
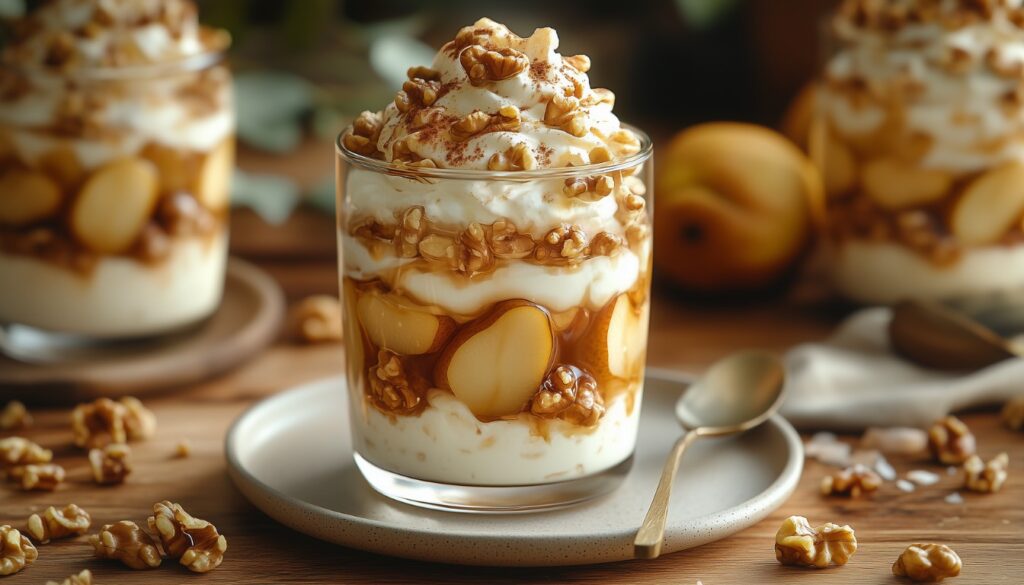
(987, 530)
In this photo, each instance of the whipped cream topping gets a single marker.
(111, 33)
(954, 67)
(510, 74)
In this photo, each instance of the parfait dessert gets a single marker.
(495, 243)
(116, 152)
(922, 145)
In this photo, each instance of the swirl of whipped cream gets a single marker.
(523, 103)
(955, 67)
(111, 33)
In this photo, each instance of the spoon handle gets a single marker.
(647, 544)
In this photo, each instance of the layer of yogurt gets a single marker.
(122, 297)
(446, 443)
(964, 110)
(884, 273)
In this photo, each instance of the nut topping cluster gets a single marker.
(796, 543)
(506, 120)
(124, 541)
(416, 93)
(927, 562)
(16, 551)
(564, 113)
(195, 542)
(365, 132)
(54, 523)
(950, 441)
(589, 188)
(390, 387)
(516, 158)
(852, 481)
(985, 477)
(570, 394)
(483, 66)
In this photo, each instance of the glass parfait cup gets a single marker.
(114, 194)
(495, 338)
(921, 147)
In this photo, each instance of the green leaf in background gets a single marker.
(705, 13)
(321, 196)
(270, 105)
(392, 55)
(272, 197)
(12, 8)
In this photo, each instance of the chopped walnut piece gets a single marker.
(438, 248)
(15, 416)
(111, 464)
(516, 158)
(424, 73)
(54, 523)
(60, 49)
(140, 422)
(44, 477)
(126, 542)
(21, 451)
(600, 154)
(579, 62)
(506, 120)
(852, 481)
(472, 254)
(624, 143)
(316, 319)
(605, 244)
(592, 188)
(985, 477)
(194, 541)
(390, 388)
(950, 441)
(483, 66)
(570, 394)
(416, 93)
(82, 578)
(564, 113)
(99, 423)
(927, 562)
(507, 242)
(796, 543)
(401, 153)
(16, 551)
(598, 96)
(183, 449)
(563, 243)
(365, 133)
(1013, 414)
(412, 226)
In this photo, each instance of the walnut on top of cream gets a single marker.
(494, 100)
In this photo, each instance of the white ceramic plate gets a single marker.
(291, 456)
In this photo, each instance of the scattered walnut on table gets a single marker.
(927, 562)
(54, 523)
(316, 319)
(21, 451)
(103, 421)
(82, 578)
(796, 543)
(950, 441)
(570, 394)
(985, 477)
(44, 477)
(852, 481)
(124, 541)
(183, 449)
(194, 541)
(16, 551)
(1013, 413)
(15, 416)
(140, 422)
(111, 464)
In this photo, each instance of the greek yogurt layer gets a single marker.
(121, 298)
(446, 443)
(884, 273)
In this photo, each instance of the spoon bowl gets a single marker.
(935, 336)
(736, 394)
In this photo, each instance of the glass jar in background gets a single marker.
(920, 137)
(495, 360)
(114, 183)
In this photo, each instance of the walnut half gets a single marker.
(126, 542)
(82, 578)
(195, 542)
(54, 523)
(101, 422)
(927, 562)
(985, 477)
(852, 481)
(43, 477)
(316, 319)
(111, 464)
(570, 394)
(16, 551)
(14, 416)
(796, 543)
(950, 441)
(21, 451)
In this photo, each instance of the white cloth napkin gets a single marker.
(852, 381)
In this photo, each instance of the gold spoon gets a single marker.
(935, 336)
(736, 394)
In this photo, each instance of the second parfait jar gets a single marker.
(920, 136)
(496, 327)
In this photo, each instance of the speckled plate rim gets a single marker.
(488, 547)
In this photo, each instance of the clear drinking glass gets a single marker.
(114, 192)
(922, 151)
(495, 351)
